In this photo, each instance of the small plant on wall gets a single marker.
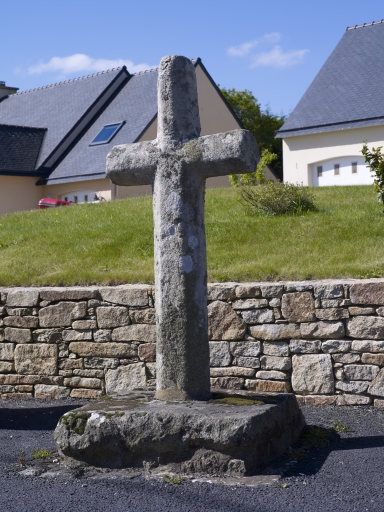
(375, 160)
(256, 177)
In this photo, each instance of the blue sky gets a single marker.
(273, 48)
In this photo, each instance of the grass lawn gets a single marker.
(113, 242)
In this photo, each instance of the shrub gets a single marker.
(375, 161)
(275, 198)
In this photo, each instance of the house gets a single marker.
(54, 140)
(342, 108)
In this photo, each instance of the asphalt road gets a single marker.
(325, 472)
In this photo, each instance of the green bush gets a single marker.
(276, 198)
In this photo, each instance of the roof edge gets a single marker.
(25, 174)
(145, 129)
(83, 117)
(70, 179)
(198, 61)
(23, 127)
(324, 126)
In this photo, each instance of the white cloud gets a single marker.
(245, 48)
(277, 58)
(80, 63)
(242, 49)
(273, 37)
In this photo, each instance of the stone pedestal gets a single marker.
(230, 434)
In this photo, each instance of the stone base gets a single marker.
(230, 434)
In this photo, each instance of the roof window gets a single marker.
(106, 134)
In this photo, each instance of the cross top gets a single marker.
(177, 164)
(178, 110)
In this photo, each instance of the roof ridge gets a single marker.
(89, 76)
(155, 69)
(145, 71)
(365, 25)
(21, 126)
(68, 81)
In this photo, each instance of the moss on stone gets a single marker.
(110, 415)
(236, 400)
(75, 421)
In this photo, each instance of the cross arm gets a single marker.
(234, 152)
(133, 164)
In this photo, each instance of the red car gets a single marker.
(48, 202)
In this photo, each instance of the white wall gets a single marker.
(101, 187)
(304, 153)
(330, 177)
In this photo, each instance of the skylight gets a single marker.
(107, 133)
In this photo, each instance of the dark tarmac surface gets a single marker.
(326, 471)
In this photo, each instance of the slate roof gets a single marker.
(19, 149)
(136, 104)
(56, 107)
(348, 91)
(72, 113)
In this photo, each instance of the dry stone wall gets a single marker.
(324, 341)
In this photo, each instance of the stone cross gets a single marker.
(177, 164)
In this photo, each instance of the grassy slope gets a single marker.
(113, 242)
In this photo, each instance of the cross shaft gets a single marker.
(177, 164)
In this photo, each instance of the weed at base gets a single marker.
(312, 437)
(41, 454)
(338, 427)
(172, 479)
(21, 461)
(316, 437)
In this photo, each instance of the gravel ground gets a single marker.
(335, 472)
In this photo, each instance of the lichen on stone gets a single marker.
(192, 151)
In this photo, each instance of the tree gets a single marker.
(261, 123)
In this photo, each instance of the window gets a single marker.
(354, 167)
(336, 169)
(75, 199)
(319, 171)
(86, 198)
(106, 134)
(65, 198)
